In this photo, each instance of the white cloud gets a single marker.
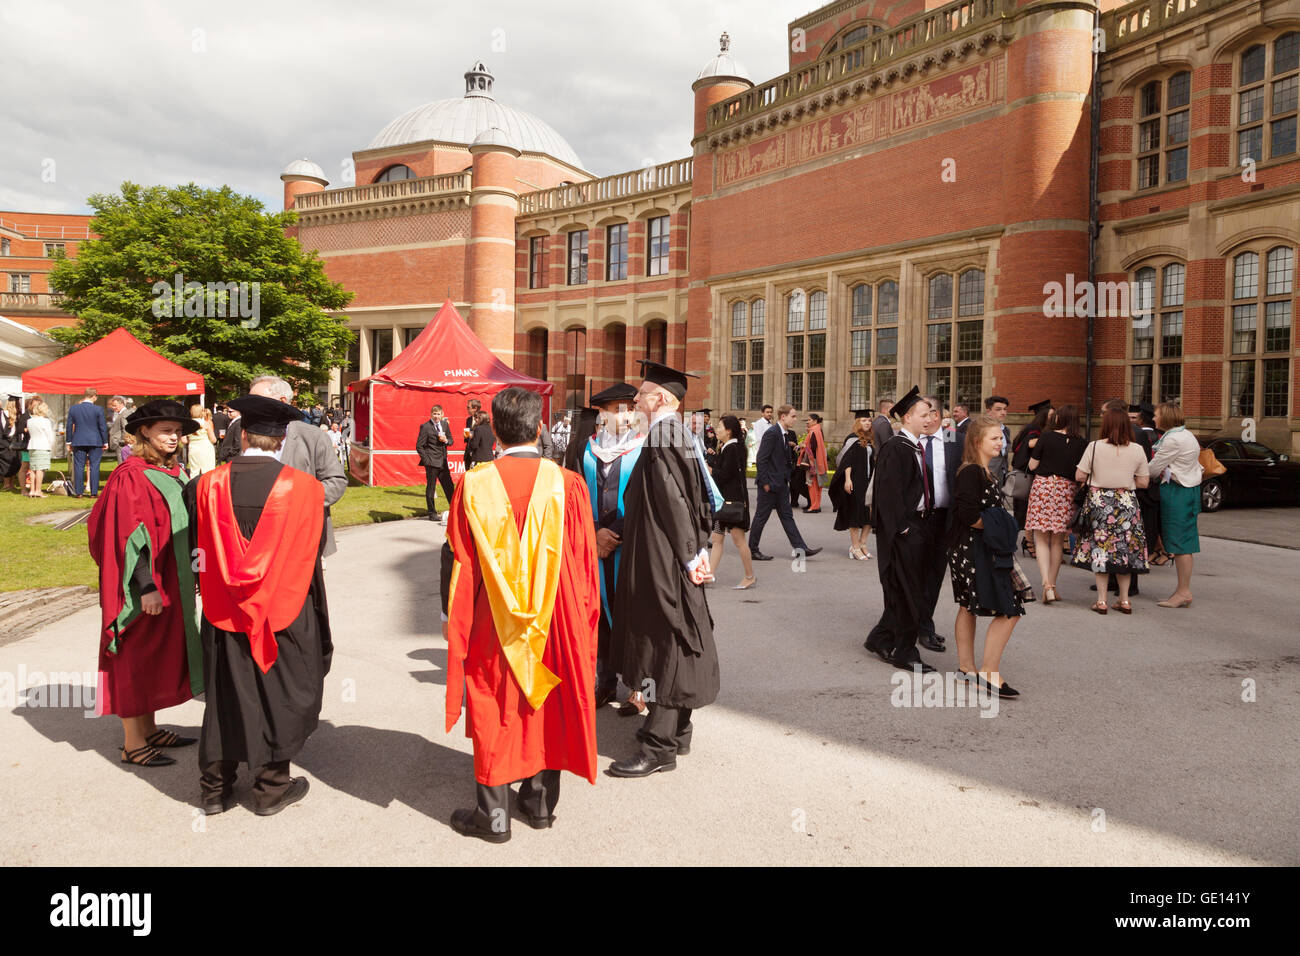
(228, 92)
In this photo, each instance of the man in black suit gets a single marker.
(773, 482)
(431, 445)
(942, 460)
(901, 516)
(881, 429)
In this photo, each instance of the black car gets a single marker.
(1256, 474)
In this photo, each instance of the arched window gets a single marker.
(1256, 358)
(575, 368)
(955, 374)
(1164, 123)
(616, 352)
(394, 173)
(1268, 80)
(656, 341)
(1156, 314)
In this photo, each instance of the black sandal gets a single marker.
(146, 756)
(165, 738)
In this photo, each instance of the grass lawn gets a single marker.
(38, 556)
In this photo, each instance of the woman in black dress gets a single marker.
(729, 476)
(481, 440)
(848, 489)
(974, 490)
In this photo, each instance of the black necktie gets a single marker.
(925, 475)
(929, 467)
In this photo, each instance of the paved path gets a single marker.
(803, 760)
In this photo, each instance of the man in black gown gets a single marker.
(662, 640)
(902, 511)
(265, 629)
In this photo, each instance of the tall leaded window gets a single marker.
(747, 321)
(1262, 287)
(873, 342)
(954, 336)
(805, 354)
(656, 341)
(1156, 372)
(1164, 123)
(1268, 81)
(578, 257)
(657, 247)
(616, 251)
(537, 262)
(575, 368)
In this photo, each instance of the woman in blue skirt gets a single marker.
(1175, 464)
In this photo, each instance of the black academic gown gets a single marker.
(901, 542)
(662, 630)
(251, 717)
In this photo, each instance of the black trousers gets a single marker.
(538, 796)
(665, 730)
(767, 501)
(799, 486)
(218, 780)
(902, 588)
(936, 565)
(435, 475)
(606, 676)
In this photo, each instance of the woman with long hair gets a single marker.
(848, 489)
(149, 652)
(729, 476)
(40, 442)
(1022, 449)
(203, 443)
(1176, 458)
(1002, 592)
(1113, 541)
(1051, 497)
(813, 457)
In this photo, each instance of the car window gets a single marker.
(1226, 451)
(1256, 452)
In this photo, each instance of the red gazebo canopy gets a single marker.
(119, 362)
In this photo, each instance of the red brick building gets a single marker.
(29, 243)
(928, 195)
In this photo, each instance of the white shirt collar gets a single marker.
(729, 441)
(261, 453)
(516, 449)
(909, 436)
(663, 413)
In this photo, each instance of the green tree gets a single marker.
(209, 279)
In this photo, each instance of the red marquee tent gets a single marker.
(118, 363)
(446, 365)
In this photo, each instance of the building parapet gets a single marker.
(29, 302)
(1146, 18)
(34, 231)
(426, 186)
(948, 22)
(673, 175)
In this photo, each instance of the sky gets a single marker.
(97, 92)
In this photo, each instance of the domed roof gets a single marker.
(724, 64)
(494, 136)
(463, 120)
(304, 167)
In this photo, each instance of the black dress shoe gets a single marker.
(683, 749)
(812, 511)
(931, 643)
(538, 823)
(642, 765)
(880, 652)
(630, 710)
(1006, 691)
(917, 664)
(214, 805)
(760, 556)
(605, 695)
(462, 821)
(297, 790)
(809, 552)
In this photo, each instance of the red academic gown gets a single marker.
(146, 663)
(511, 740)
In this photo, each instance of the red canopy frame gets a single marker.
(118, 363)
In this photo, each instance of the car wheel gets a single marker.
(1211, 495)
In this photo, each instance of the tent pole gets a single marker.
(372, 434)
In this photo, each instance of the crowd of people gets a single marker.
(574, 567)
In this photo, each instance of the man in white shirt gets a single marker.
(762, 424)
(942, 460)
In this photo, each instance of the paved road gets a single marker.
(1135, 723)
(1279, 527)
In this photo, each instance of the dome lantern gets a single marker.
(478, 80)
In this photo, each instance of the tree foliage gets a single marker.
(154, 239)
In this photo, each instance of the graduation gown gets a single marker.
(513, 739)
(901, 557)
(663, 631)
(139, 535)
(257, 716)
(851, 507)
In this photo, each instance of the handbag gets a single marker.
(1016, 484)
(731, 512)
(60, 485)
(1080, 524)
(1210, 463)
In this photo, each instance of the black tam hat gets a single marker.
(260, 415)
(669, 379)
(863, 413)
(620, 393)
(1045, 403)
(906, 402)
(161, 410)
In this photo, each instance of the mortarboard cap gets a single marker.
(863, 413)
(620, 393)
(260, 415)
(706, 411)
(902, 406)
(1039, 406)
(669, 379)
